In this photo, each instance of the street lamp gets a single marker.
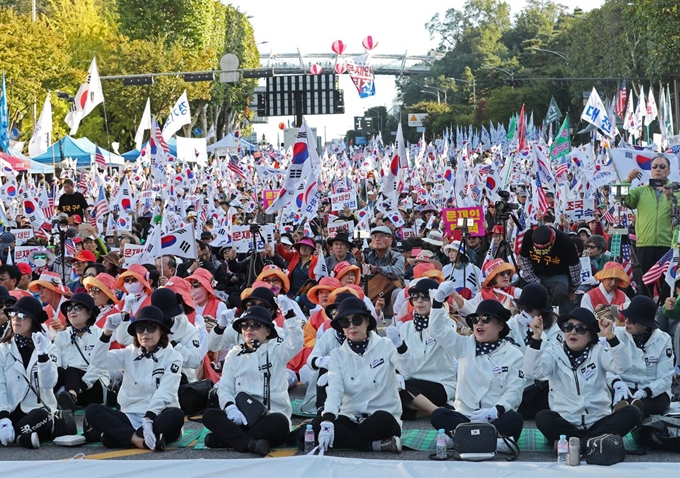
(558, 53)
(510, 73)
(434, 94)
(439, 90)
(474, 88)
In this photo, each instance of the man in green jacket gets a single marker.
(653, 227)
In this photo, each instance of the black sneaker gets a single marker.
(259, 447)
(90, 433)
(211, 441)
(66, 401)
(160, 443)
(108, 442)
(64, 423)
(29, 440)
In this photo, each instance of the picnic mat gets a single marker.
(200, 444)
(531, 439)
(297, 405)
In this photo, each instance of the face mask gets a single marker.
(199, 295)
(40, 262)
(135, 288)
(525, 318)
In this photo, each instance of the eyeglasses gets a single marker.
(581, 329)
(95, 290)
(89, 275)
(485, 319)
(149, 328)
(5, 304)
(251, 325)
(130, 280)
(13, 314)
(591, 246)
(195, 285)
(379, 236)
(505, 274)
(75, 307)
(658, 166)
(3, 278)
(271, 280)
(357, 321)
(419, 296)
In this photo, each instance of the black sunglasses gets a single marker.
(581, 329)
(150, 328)
(76, 307)
(658, 166)
(485, 319)
(419, 296)
(357, 321)
(251, 325)
(7, 303)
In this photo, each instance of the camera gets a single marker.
(62, 219)
(503, 207)
(254, 228)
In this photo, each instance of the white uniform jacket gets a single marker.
(245, 371)
(14, 379)
(69, 356)
(484, 381)
(227, 339)
(360, 385)
(429, 359)
(580, 396)
(652, 369)
(148, 385)
(518, 331)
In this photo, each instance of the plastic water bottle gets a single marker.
(562, 450)
(309, 439)
(441, 445)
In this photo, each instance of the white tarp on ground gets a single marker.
(325, 467)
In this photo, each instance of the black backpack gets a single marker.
(663, 434)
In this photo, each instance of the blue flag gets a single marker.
(4, 117)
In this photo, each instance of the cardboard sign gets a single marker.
(21, 235)
(579, 209)
(341, 226)
(21, 253)
(269, 196)
(242, 240)
(341, 200)
(130, 253)
(586, 269)
(450, 221)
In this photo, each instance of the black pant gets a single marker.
(71, 379)
(620, 422)
(320, 391)
(509, 424)
(434, 392)
(273, 427)
(559, 292)
(117, 428)
(38, 420)
(655, 406)
(534, 399)
(359, 436)
(647, 257)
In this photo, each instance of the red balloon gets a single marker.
(315, 69)
(338, 47)
(369, 43)
(282, 125)
(340, 68)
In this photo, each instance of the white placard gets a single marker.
(242, 240)
(341, 226)
(586, 269)
(130, 254)
(21, 253)
(340, 200)
(21, 235)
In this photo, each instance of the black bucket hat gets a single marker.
(31, 307)
(535, 297)
(258, 314)
(350, 306)
(331, 309)
(494, 309)
(339, 237)
(86, 301)
(168, 301)
(641, 310)
(5, 297)
(583, 315)
(424, 285)
(150, 313)
(264, 294)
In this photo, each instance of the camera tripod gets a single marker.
(251, 275)
(504, 250)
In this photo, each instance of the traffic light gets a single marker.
(138, 80)
(261, 105)
(258, 73)
(193, 77)
(561, 83)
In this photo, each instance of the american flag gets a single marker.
(625, 262)
(46, 203)
(70, 248)
(485, 170)
(82, 183)
(518, 241)
(621, 97)
(542, 199)
(99, 158)
(609, 215)
(657, 270)
(101, 206)
(562, 169)
(234, 167)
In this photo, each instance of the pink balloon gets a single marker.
(369, 43)
(315, 69)
(338, 47)
(340, 68)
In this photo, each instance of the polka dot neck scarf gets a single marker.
(576, 358)
(75, 332)
(641, 340)
(22, 342)
(358, 347)
(488, 347)
(420, 322)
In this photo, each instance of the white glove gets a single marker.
(323, 362)
(485, 415)
(149, 435)
(6, 431)
(393, 334)
(130, 301)
(235, 415)
(113, 321)
(40, 342)
(639, 395)
(621, 391)
(590, 281)
(323, 380)
(284, 304)
(326, 435)
(226, 318)
(401, 381)
(443, 292)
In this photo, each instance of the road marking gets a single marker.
(282, 452)
(115, 454)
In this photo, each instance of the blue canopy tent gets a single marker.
(134, 154)
(81, 150)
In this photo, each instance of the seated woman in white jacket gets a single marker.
(576, 371)
(80, 382)
(256, 368)
(28, 374)
(647, 383)
(149, 415)
(533, 301)
(490, 376)
(430, 379)
(362, 409)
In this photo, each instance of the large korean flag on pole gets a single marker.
(595, 114)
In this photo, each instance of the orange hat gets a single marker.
(272, 270)
(351, 288)
(51, 281)
(105, 283)
(19, 293)
(495, 267)
(342, 268)
(326, 283)
(85, 256)
(249, 290)
(204, 277)
(137, 271)
(181, 286)
(614, 270)
(425, 269)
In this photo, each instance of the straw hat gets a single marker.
(495, 267)
(105, 283)
(614, 270)
(52, 281)
(326, 283)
